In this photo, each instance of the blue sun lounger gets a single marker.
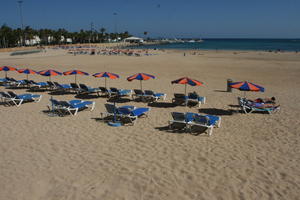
(207, 121)
(132, 114)
(249, 106)
(10, 97)
(86, 89)
(120, 92)
(3, 80)
(64, 87)
(178, 122)
(186, 121)
(194, 97)
(112, 110)
(152, 96)
(72, 107)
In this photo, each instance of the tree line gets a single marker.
(10, 37)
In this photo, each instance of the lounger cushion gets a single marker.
(139, 111)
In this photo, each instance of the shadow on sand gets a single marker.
(118, 100)
(216, 111)
(161, 105)
(60, 92)
(87, 96)
(179, 130)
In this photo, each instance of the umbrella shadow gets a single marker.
(162, 105)
(52, 113)
(17, 88)
(233, 106)
(87, 96)
(169, 130)
(194, 130)
(37, 90)
(118, 100)
(5, 104)
(60, 92)
(217, 111)
(99, 119)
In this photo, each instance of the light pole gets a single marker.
(91, 35)
(115, 20)
(21, 19)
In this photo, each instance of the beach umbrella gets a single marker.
(75, 72)
(27, 71)
(247, 86)
(140, 77)
(49, 72)
(7, 68)
(106, 75)
(187, 81)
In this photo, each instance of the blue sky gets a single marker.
(165, 18)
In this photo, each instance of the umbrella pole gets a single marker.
(75, 78)
(115, 114)
(185, 95)
(50, 78)
(27, 76)
(105, 82)
(5, 74)
(141, 84)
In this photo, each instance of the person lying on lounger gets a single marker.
(271, 100)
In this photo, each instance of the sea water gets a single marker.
(234, 44)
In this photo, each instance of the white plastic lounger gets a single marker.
(208, 121)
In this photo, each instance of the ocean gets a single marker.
(233, 44)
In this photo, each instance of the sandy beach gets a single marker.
(251, 156)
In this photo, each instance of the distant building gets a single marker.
(69, 40)
(50, 39)
(34, 41)
(134, 40)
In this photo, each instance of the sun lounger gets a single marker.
(112, 110)
(120, 92)
(11, 97)
(179, 99)
(40, 85)
(249, 106)
(105, 91)
(4, 80)
(207, 121)
(195, 98)
(72, 107)
(64, 87)
(75, 87)
(138, 94)
(86, 89)
(15, 83)
(51, 85)
(132, 115)
(149, 94)
(178, 122)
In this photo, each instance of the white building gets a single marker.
(69, 40)
(35, 40)
(134, 40)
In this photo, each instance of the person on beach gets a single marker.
(266, 100)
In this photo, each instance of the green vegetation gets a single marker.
(10, 37)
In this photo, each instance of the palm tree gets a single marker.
(145, 33)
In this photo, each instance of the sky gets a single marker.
(164, 18)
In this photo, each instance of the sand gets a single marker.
(251, 156)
